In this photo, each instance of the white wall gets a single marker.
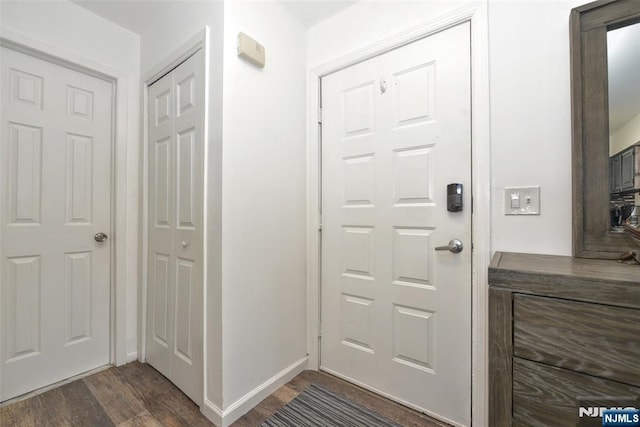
(530, 102)
(626, 136)
(256, 302)
(176, 26)
(264, 196)
(531, 121)
(76, 32)
(256, 188)
(367, 22)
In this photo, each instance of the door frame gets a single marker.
(118, 231)
(200, 41)
(476, 14)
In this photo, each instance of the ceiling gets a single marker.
(134, 14)
(130, 14)
(623, 43)
(623, 51)
(310, 12)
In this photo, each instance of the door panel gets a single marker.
(188, 233)
(55, 160)
(78, 181)
(25, 164)
(22, 321)
(396, 314)
(176, 193)
(78, 296)
(161, 220)
(161, 304)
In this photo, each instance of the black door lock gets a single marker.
(454, 197)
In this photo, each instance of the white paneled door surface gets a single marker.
(55, 173)
(396, 313)
(175, 246)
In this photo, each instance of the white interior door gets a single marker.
(396, 313)
(55, 172)
(175, 248)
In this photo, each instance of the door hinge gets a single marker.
(319, 329)
(320, 115)
(319, 222)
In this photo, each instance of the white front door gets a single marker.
(55, 173)
(176, 236)
(396, 313)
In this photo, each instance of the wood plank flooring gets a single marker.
(136, 395)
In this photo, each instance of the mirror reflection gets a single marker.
(623, 56)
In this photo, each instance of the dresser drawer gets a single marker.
(594, 339)
(547, 396)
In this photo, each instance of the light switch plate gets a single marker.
(527, 198)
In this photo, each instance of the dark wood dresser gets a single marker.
(563, 333)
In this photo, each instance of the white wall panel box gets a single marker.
(251, 50)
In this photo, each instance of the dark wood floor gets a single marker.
(137, 395)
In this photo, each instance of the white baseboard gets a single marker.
(132, 357)
(212, 412)
(226, 417)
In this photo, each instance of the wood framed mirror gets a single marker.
(593, 233)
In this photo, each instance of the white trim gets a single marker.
(132, 356)
(212, 412)
(175, 58)
(200, 41)
(313, 220)
(264, 390)
(56, 52)
(233, 412)
(481, 219)
(205, 213)
(418, 32)
(476, 13)
(62, 56)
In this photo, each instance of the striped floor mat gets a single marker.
(317, 406)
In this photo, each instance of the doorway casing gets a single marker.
(476, 14)
(119, 182)
(198, 42)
